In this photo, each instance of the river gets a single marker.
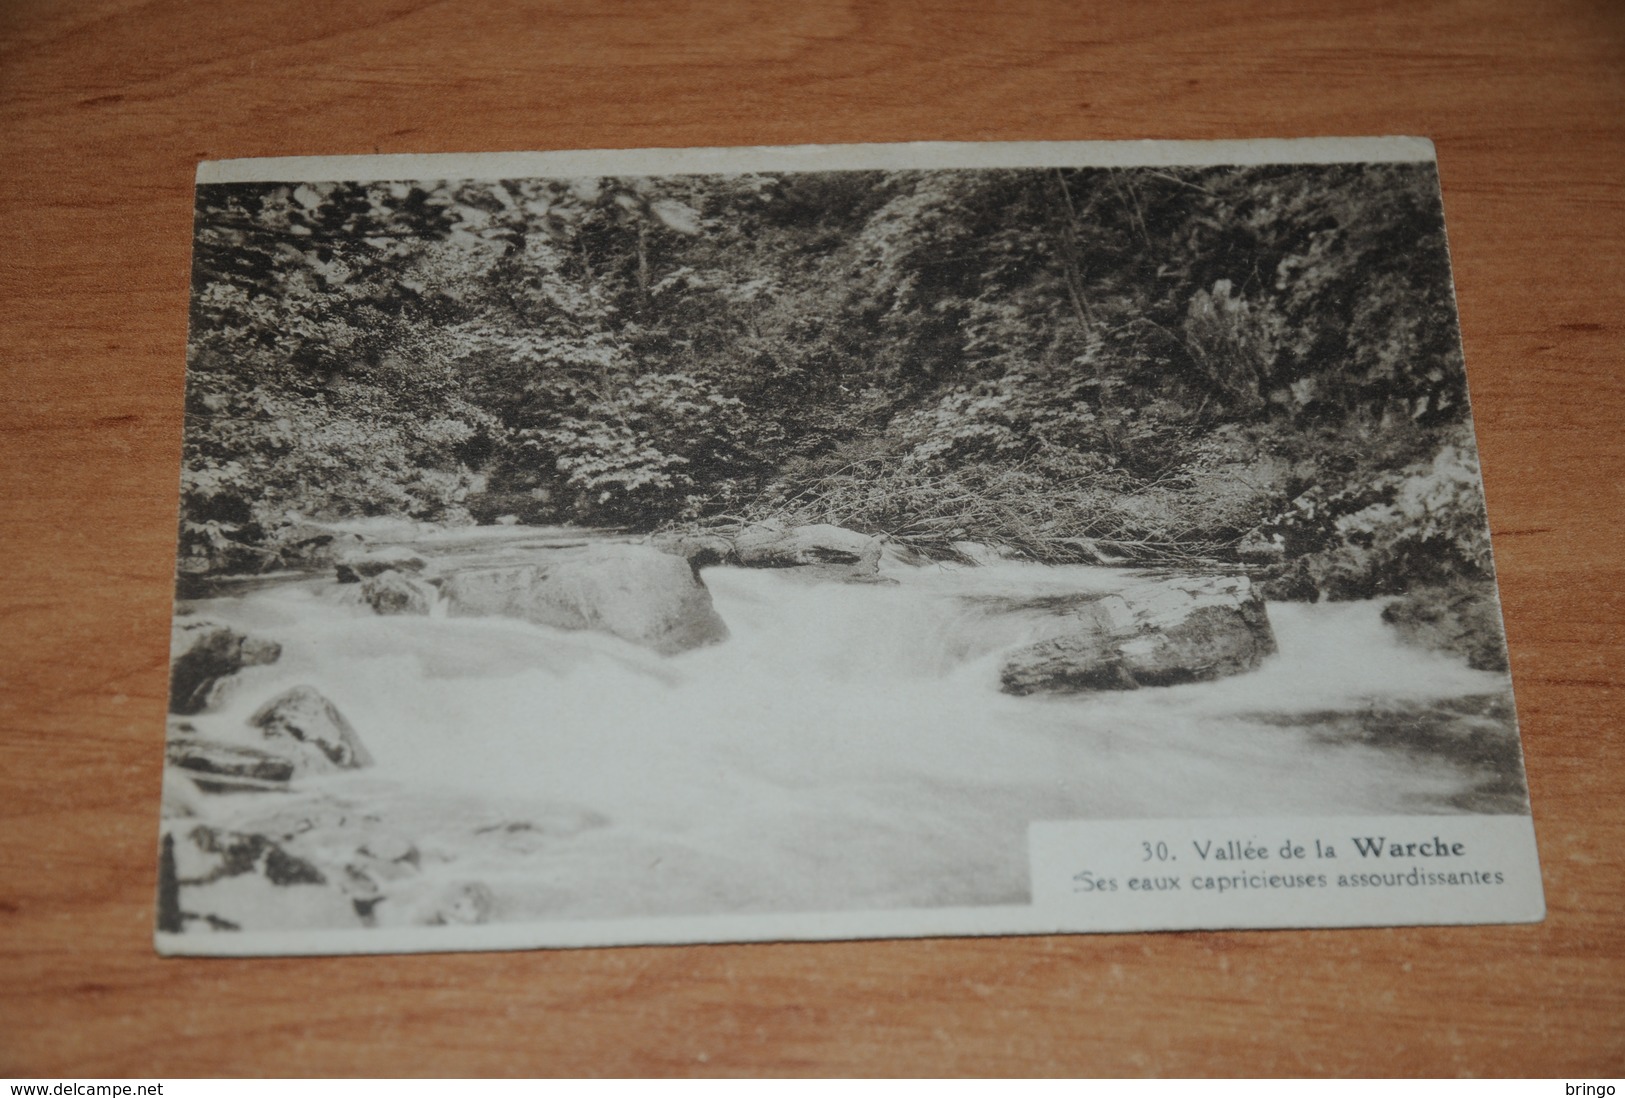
(846, 747)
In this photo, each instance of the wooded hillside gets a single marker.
(1236, 364)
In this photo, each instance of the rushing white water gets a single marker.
(847, 746)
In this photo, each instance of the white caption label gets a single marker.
(1231, 873)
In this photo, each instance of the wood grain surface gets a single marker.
(106, 106)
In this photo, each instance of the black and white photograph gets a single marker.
(604, 548)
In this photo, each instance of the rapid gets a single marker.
(847, 746)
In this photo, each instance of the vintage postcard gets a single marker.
(706, 545)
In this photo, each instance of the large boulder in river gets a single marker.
(634, 592)
(821, 545)
(304, 725)
(1157, 634)
(392, 592)
(202, 653)
(356, 566)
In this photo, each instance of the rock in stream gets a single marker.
(634, 592)
(1154, 634)
(203, 654)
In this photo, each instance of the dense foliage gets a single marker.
(1086, 364)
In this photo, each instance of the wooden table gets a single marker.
(106, 106)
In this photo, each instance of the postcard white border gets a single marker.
(917, 156)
